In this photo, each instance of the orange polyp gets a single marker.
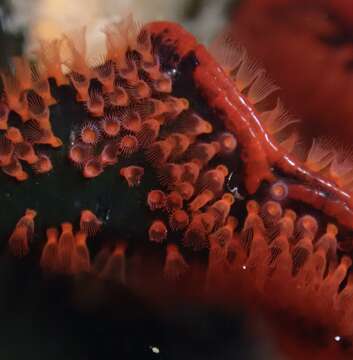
(288, 145)
(90, 134)
(14, 169)
(194, 125)
(81, 85)
(271, 212)
(319, 156)
(42, 123)
(201, 200)
(89, 223)
(15, 100)
(132, 174)
(227, 142)
(116, 41)
(222, 169)
(213, 180)
(109, 154)
(208, 219)
(191, 172)
(215, 216)
(80, 153)
(95, 103)
(311, 273)
(19, 239)
(144, 45)
(169, 174)
(129, 71)
(39, 131)
(6, 151)
(286, 224)
(340, 170)
(14, 135)
(279, 285)
(43, 164)
(234, 255)
(185, 189)
(148, 133)
(151, 67)
(226, 232)
(178, 220)
(163, 84)
(106, 74)
(174, 201)
(220, 209)
(139, 90)
(307, 226)
(175, 106)
(279, 191)
(344, 305)
(159, 152)
(28, 219)
(41, 85)
(301, 252)
(92, 168)
(252, 207)
(49, 257)
(175, 265)
(111, 125)
(182, 143)
(66, 249)
(256, 264)
(128, 145)
(328, 242)
(331, 230)
(4, 116)
(132, 122)
(81, 259)
(204, 152)
(153, 108)
(258, 242)
(50, 139)
(216, 265)
(279, 245)
(331, 283)
(156, 199)
(76, 44)
(18, 242)
(50, 59)
(119, 97)
(195, 234)
(25, 151)
(115, 267)
(157, 232)
(253, 225)
(37, 107)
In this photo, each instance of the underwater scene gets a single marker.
(176, 179)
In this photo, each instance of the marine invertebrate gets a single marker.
(195, 157)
